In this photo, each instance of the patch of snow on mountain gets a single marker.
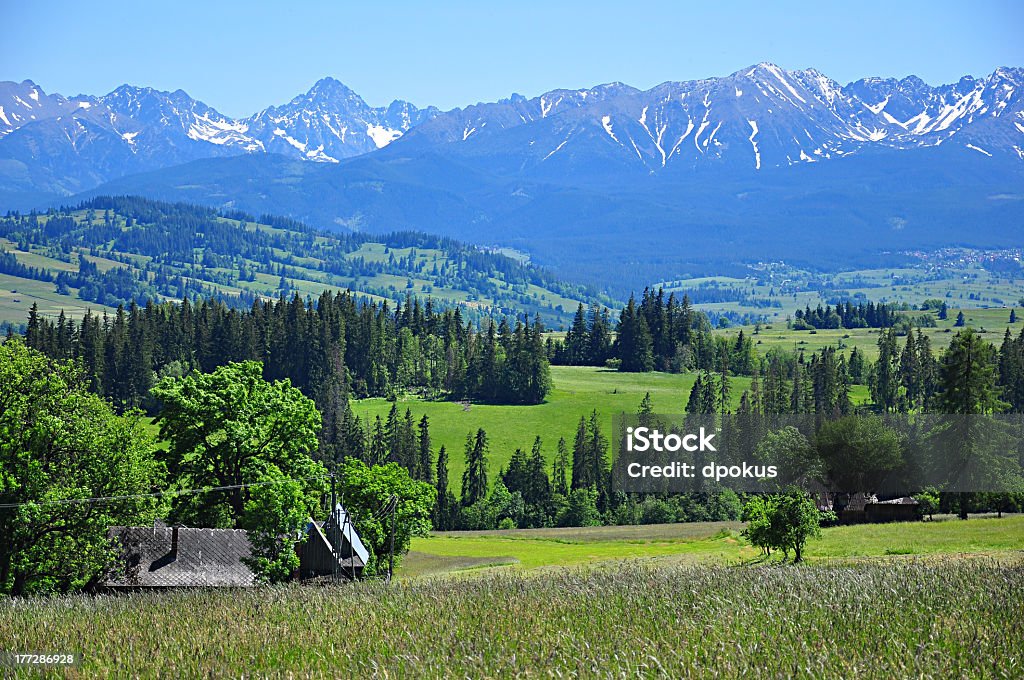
(757, 153)
(555, 150)
(979, 149)
(696, 138)
(217, 130)
(879, 107)
(301, 146)
(606, 122)
(318, 154)
(775, 71)
(381, 135)
(689, 129)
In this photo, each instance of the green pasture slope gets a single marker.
(679, 614)
(577, 391)
(305, 276)
(991, 323)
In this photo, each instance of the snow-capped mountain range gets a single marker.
(63, 145)
(757, 118)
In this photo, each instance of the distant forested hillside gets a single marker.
(113, 250)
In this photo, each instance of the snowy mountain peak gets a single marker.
(755, 119)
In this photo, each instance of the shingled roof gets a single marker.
(174, 557)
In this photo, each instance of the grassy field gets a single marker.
(703, 542)
(775, 291)
(577, 391)
(17, 296)
(991, 323)
(954, 619)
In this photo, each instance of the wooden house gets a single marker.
(164, 556)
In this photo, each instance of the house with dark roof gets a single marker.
(164, 556)
(863, 508)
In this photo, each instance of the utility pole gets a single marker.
(391, 548)
(334, 549)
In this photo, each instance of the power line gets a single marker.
(158, 494)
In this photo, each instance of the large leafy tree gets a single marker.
(796, 458)
(232, 428)
(859, 452)
(59, 443)
(366, 492)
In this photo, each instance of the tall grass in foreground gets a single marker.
(939, 620)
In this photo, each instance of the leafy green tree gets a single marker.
(232, 428)
(501, 509)
(859, 452)
(782, 522)
(58, 443)
(793, 454)
(928, 501)
(367, 491)
(797, 519)
(272, 514)
(757, 514)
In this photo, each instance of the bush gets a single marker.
(656, 511)
(581, 510)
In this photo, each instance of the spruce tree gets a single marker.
(445, 504)
(474, 478)
(560, 469)
(968, 387)
(425, 467)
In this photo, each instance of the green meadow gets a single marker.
(680, 601)
(577, 391)
(991, 323)
(719, 543)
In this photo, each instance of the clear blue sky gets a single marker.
(241, 57)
